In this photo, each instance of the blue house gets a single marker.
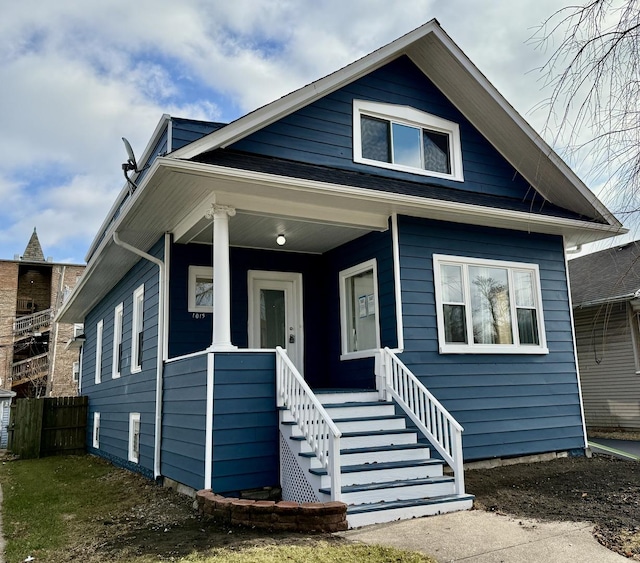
(322, 294)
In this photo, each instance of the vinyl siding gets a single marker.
(610, 384)
(114, 399)
(509, 404)
(321, 133)
(184, 420)
(245, 424)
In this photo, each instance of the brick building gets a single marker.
(38, 357)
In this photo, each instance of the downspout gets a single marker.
(160, 352)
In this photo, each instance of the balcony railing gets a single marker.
(33, 322)
(24, 304)
(30, 369)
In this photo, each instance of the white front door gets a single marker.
(275, 313)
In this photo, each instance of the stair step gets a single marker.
(374, 438)
(370, 423)
(379, 512)
(377, 454)
(375, 506)
(362, 408)
(390, 485)
(390, 491)
(378, 466)
(328, 397)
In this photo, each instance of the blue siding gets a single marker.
(185, 131)
(245, 424)
(114, 399)
(509, 404)
(321, 133)
(359, 373)
(184, 420)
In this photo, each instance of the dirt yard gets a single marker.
(163, 525)
(601, 490)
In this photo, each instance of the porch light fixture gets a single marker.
(281, 240)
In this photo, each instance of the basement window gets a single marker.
(406, 139)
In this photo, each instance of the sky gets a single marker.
(77, 76)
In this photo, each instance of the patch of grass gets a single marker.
(42, 497)
(319, 553)
(81, 508)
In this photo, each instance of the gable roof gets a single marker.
(607, 276)
(175, 188)
(444, 63)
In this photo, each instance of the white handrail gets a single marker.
(320, 432)
(431, 418)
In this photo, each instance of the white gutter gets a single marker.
(159, 352)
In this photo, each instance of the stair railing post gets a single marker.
(334, 467)
(458, 464)
(380, 370)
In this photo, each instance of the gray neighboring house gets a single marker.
(605, 289)
(5, 410)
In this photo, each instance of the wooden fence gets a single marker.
(48, 426)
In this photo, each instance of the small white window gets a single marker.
(404, 138)
(96, 429)
(117, 341)
(488, 306)
(134, 437)
(200, 289)
(76, 372)
(99, 327)
(137, 332)
(78, 329)
(359, 310)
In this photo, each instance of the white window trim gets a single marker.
(194, 273)
(471, 347)
(96, 430)
(75, 372)
(344, 342)
(99, 331)
(118, 326)
(136, 327)
(413, 117)
(133, 418)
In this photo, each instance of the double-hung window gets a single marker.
(200, 289)
(98, 372)
(359, 310)
(137, 332)
(117, 341)
(488, 306)
(407, 139)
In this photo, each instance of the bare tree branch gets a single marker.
(594, 78)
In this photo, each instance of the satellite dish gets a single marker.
(131, 163)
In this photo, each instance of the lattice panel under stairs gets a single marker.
(295, 486)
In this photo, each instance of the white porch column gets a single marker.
(221, 338)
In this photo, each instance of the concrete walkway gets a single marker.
(623, 449)
(476, 536)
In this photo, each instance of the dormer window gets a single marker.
(404, 138)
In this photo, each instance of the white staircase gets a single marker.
(385, 473)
